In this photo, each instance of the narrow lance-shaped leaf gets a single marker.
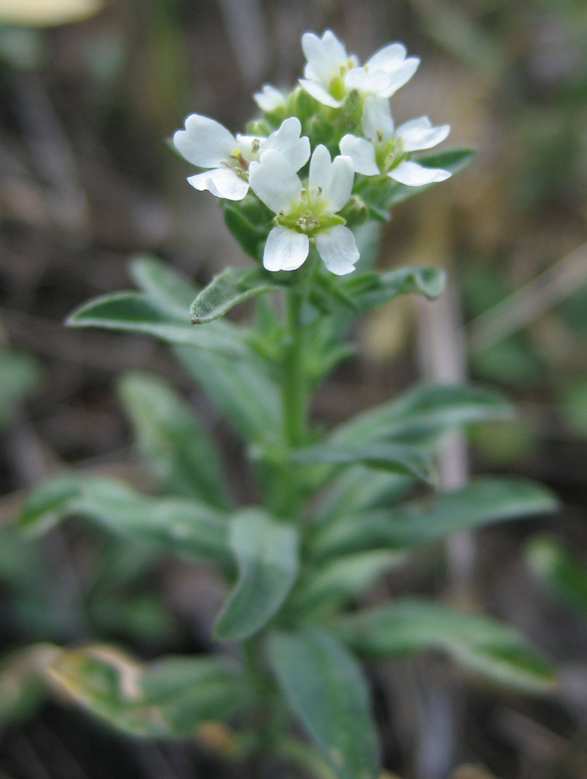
(169, 697)
(481, 502)
(422, 414)
(136, 313)
(165, 286)
(185, 527)
(266, 552)
(172, 439)
(228, 289)
(325, 688)
(241, 390)
(484, 645)
(395, 458)
(332, 585)
(369, 290)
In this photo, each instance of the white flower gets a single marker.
(269, 99)
(305, 213)
(386, 152)
(208, 144)
(331, 74)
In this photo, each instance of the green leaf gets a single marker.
(453, 160)
(191, 690)
(331, 586)
(483, 645)
(228, 289)
(169, 697)
(172, 439)
(358, 489)
(559, 570)
(133, 312)
(22, 688)
(242, 220)
(325, 688)
(19, 377)
(185, 527)
(395, 458)
(241, 390)
(266, 552)
(421, 414)
(369, 290)
(166, 288)
(249, 237)
(481, 502)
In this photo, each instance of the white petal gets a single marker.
(285, 249)
(320, 167)
(269, 98)
(320, 93)
(325, 55)
(338, 188)
(274, 181)
(338, 249)
(377, 117)
(334, 178)
(387, 58)
(204, 142)
(287, 141)
(400, 76)
(414, 175)
(419, 134)
(362, 154)
(221, 182)
(372, 82)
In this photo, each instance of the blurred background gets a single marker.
(91, 93)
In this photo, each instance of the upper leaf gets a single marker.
(228, 289)
(481, 502)
(172, 439)
(166, 287)
(480, 643)
(395, 458)
(421, 414)
(326, 689)
(369, 290)
(266, 552)
(137, 313)
(241, 389)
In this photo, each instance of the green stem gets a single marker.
(294, 389)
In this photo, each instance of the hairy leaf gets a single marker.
(482, 644)
(266, 552)
(228, 289)
(325, 688)
(172, 439)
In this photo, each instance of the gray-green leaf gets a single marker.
(372, 289)
(395, 458)
(326, 689)
(482, 644)
(266, 552)
(137, 313)
(185, 527)
(172, 440)
(228, 289)
(483, 501)
(422, 414)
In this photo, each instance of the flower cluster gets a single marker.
(316, 204)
